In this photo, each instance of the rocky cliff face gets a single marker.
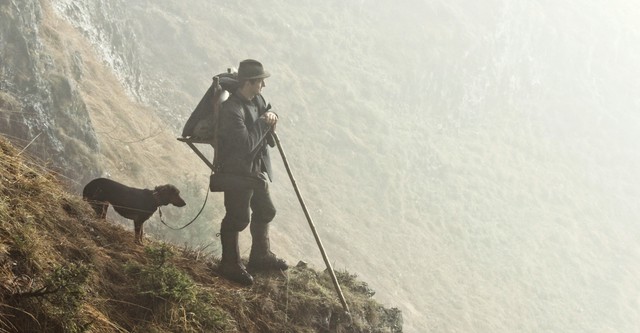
(39, 97)
(50, 51)
(46, 48)
(106, 26)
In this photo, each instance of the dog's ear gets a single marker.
(169, 194)
(167, 189)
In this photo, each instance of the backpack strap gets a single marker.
(216, 117)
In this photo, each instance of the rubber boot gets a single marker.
(261, 257)
(230, 266)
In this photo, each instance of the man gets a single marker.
(244, 135)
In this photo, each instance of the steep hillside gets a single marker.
(474, 162)
(63, 271)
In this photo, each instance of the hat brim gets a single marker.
(261, 76)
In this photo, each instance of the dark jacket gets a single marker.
(243, 136)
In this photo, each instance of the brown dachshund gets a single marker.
(132, 203)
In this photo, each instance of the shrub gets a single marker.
(160, 278)
(183, 303)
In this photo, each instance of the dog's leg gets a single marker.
(97, 207)
(100, 208)
(103, 210)
(139, 232)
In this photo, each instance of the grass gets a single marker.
(63, 271)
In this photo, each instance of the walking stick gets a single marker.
(313, 228)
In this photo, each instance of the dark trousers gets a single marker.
(244, 206)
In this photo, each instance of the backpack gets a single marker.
(201, 125)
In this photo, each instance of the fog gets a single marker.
(474, 162)
(522, 187)
(510, 197)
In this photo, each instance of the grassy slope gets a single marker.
(487, 168)
(63, 271)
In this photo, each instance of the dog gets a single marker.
(131, 203)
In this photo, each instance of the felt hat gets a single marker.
(251, 69)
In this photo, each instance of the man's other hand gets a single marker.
(271, 118)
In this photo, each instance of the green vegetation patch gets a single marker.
(172, 295)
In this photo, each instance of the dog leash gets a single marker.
(193, 220)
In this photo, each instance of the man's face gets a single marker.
(257, 85)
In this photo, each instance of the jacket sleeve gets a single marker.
(237, 136)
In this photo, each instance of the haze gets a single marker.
(475, 162)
